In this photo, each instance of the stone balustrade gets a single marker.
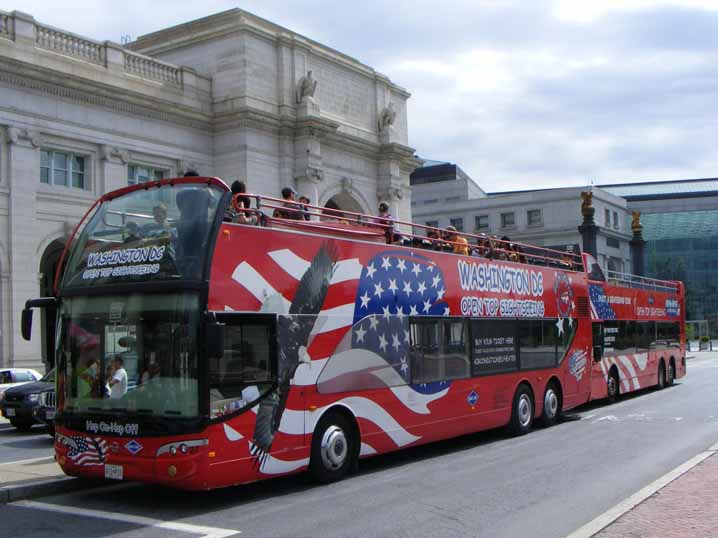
(69, 44)
(146, 67)
(6, 26)
(96, 52)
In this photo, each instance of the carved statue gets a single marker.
(387, 117)
(587, 209)
(306, 88)
(636, 226)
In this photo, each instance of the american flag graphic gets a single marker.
(577, 363)
(630, 366)
(600, 307)
(87, 451)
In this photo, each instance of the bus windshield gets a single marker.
(158, 233)
(134, 353)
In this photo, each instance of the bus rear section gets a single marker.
(638, 332)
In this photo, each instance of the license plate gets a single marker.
(9, 412)
(113, 472)
(49, 415)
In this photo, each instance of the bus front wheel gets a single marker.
(333, 448)
(612, 387)
(671, 373)
(522, 411)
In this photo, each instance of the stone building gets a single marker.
(443, 194)
(230, 95)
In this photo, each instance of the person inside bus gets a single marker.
(305, 210)
(459, 244)
(387, 222)
(132, 232)
(290, 209)
(88, 377)
(567, 259)
(483, 247)
(236, 210)
(160, 227)
(118, 381)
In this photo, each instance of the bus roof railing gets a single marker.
(640, 282)
(430, 237)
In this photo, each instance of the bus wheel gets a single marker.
(661, 376)
(332, 448)
(613, 388)
(551, 405)
(522, 413)
(671, 373)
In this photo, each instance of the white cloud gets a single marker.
(589, 11)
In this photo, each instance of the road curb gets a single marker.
(599, 523)
(43, 488)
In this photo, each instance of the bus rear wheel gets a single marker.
(671, 373)
(551, 405)
(522, 411)
(661, 376)
(612, 387)
(333, 448)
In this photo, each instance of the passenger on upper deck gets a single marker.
(459, 243)
(160, 227)
(305, 210)
(387, 221)
(293, 210)
(240, 202)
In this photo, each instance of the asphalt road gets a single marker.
(16, 445)
(543, 485)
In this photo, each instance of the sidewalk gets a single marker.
(685, 508)
(34, 478)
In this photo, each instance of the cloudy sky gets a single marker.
(520, 94)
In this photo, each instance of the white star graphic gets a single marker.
(386, 311)
(407, 288)
(382, 342)
(360, 332)
(378, 290)
(401, 265)
(416, 269)
(440, 294)
(365, 300)
(435, 281)
(370, 270)
(413, 311)
(430, 268)
(407, 337)
(446, 311)
(392, 286)
(373, 322)
(570, 322)
(559, 326)
(385, 263)
(400, 313)
(422, 288)
(395, 343)
(427, 306)
(404, 365)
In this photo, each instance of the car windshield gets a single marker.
(158, 233)
(129, 354)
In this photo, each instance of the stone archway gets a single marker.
(48, 267)
(344, 201)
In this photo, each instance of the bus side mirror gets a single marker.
(26, 323)
(26, 319)
(597, 353)
(214, 334)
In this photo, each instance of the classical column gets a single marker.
(24, 179)
(396, 163)
(588, 228)
(637, 245)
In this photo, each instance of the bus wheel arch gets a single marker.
(336, 441)
(523, 409)
(552, 402)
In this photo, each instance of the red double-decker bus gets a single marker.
(200, 353)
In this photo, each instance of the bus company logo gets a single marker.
(673, 307)
(472, 398)
(133, 447)
(564, 295)
(651, 300)
(577, 364)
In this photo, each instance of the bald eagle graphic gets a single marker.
(293, 331)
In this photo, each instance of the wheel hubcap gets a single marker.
(524, 410)
(612, 385)
(334, 448)
(670, 372)
(550, 403)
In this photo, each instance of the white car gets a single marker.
(10, 377)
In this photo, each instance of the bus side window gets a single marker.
(439, 350)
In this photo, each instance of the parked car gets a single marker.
(18, 403)
(45, 410)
